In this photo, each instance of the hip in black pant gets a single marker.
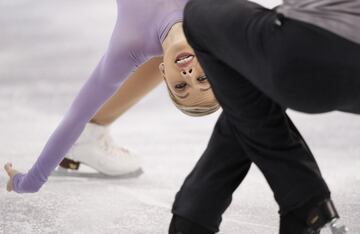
(257, 67)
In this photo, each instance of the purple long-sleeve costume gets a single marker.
(140, 28)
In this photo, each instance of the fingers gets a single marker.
(10, 171)
(8, 168)
(9, 186)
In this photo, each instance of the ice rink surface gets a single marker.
(47, 50)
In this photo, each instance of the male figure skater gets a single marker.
(305, 55)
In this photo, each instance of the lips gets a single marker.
(184, 59)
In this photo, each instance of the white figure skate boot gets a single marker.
(96, 149)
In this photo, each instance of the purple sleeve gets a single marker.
(114, 67)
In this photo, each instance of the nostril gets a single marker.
(184, 73)
(190, 71)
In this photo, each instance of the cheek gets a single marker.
(168, 63)
(214, 97)
(173, 76)
(170, 84)
(199, 67)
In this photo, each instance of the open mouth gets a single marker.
(184, 59)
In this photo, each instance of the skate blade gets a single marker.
(61, 172)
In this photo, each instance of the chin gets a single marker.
(181, 47)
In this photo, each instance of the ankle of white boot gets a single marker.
(92, 132)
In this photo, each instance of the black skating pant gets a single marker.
(258, 64)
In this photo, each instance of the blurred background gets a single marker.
(47, 51)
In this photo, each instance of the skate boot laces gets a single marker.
(107, 144)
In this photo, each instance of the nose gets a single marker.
(187, 72)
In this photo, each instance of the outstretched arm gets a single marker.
(110, 73)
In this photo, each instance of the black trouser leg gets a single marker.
(298, 65)
(207, 191)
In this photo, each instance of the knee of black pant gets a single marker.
(216, 19)
(194, 11)
(192, 21)
(197, 23)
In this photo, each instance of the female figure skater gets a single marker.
(95, 146)
(147, 29)
(304, 55)
(143, 32)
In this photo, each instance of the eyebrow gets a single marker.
(186, 95)
(205, 89)
(182, 97)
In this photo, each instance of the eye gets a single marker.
(181, 86)
(202, 78)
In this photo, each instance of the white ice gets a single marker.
(47, 50)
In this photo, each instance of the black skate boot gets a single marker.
(311, 218)
(324, 214)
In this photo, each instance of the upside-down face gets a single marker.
(184, 76)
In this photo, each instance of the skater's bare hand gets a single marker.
(11, 173)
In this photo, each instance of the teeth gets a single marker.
(185, 60)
